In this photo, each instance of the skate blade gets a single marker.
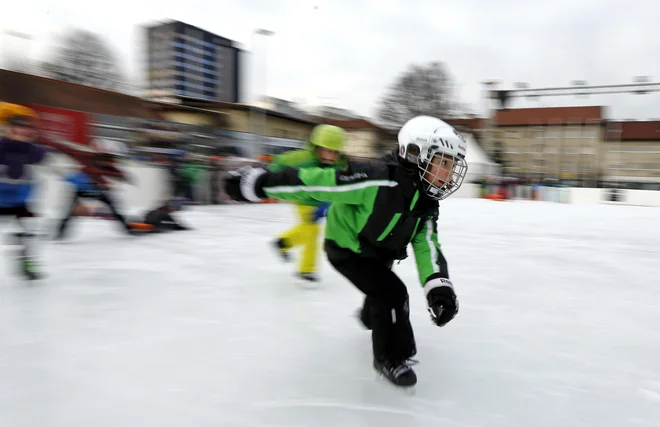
(306, 284)
(30, 279)
(405, 390)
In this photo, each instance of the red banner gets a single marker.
(58, 124)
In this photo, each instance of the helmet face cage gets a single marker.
(444, 169)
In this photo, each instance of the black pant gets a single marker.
(101, 196)
(189, 192)
(214, 194)
(385, 308)
(17, 212)
(162, 221)
(214, 179)
(21, 213)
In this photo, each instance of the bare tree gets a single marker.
(84, 58)
(16, 63)
(420, 90)
(16, 49)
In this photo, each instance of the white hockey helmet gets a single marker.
(438, 150)
(110, 148)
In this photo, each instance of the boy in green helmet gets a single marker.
(322, 150)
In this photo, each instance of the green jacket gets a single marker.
(377, 210)
(304, 158)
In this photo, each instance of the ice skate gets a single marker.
(307, 280)
(28, 268)
(282, 250)
(400, 374)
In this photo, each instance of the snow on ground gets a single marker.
(559, 326)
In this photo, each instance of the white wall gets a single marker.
(628, 197)
(573, 195)
(467, 190)
(642, 198)
(152, 187)
(587, 195)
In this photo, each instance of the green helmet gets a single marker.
(328, 136)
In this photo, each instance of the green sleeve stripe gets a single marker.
(414, 200)
(416, 227)
(390, 226)
(333, 189)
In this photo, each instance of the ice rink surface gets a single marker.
(559, 326)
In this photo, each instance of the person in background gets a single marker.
(323, 149)
(90, 183)
(160, 220)
(19, 151)
(214, 180)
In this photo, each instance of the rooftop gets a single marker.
(633, 131)
(549, 116)
(23, 88)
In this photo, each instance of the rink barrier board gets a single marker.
(153, 187)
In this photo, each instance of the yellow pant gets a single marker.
(306, 235)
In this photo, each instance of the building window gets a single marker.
(574, 133)
(641, 149)
(551, 149)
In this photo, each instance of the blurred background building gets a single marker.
(183, 60)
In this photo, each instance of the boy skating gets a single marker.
(377, 209)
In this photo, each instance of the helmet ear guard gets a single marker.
(410, 153)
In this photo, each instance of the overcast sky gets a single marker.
(346, 52)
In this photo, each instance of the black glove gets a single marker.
(241, 185)
(441, 300)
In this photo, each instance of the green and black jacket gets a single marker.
(304, 158)
(377, 209)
